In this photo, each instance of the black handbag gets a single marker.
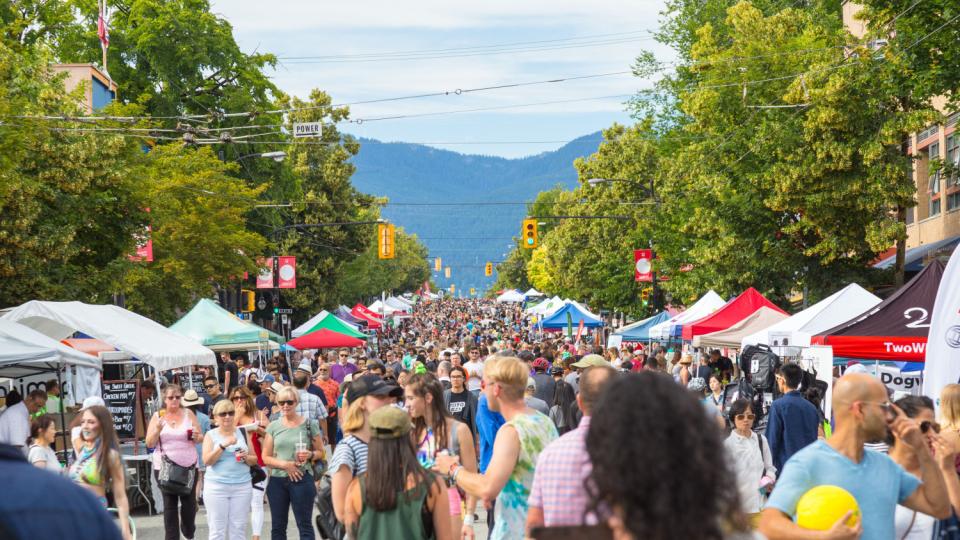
(327, 524)
(175, 479)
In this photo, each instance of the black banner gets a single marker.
(122, 402)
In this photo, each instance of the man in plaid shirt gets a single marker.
(557, 497)
(310, 406)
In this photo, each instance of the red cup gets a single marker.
(190, 434)
(238, 456)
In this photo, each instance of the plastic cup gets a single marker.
(190, 434)
(238, 456)
(301, 447)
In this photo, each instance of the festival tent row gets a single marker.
(671, 328)
(219, 330)
(732, 336)
(796, 331)
(728, 315)
(895, 329)
(571, 315)
(144, 339)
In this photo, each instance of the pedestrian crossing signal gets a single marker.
(489, 269)
(530, 237)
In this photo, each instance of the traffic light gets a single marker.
(473, 291)
(437, 264)
(453, 289)
(385, 239)
(489, 269)
(446, 272)
(530, 237)
(248, 301)
(645, 297)
(276, 304)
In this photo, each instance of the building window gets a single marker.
(933, 189)
(953, 200)
(953, 159)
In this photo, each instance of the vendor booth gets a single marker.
(219, 330)
(328, 321)
(324, 339)
(510, 296)
(640, 330)
(732, 337)
(790, 335)
(671, 328)
(734, 311)
(374, 322)
(569, 315)
(895, 329)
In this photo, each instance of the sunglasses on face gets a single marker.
(237, 398)
(174, 398)
(745, 417)
(226, 414)
(208, 386)
(286, 402)
(927, 425)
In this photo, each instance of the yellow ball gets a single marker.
(821, 507)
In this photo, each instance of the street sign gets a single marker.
(285, 311)
(307, 129)
(283, 318)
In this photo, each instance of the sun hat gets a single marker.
(190, 398)
(591, 360)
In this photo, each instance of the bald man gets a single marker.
(863, 414)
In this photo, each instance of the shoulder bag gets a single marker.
(174, 479)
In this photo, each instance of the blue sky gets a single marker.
(310, 28)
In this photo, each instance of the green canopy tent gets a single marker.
(220, 330)
(327, 321)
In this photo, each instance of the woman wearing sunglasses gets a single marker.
(226, 488)
(750, 459)
(291, 445)
(912, 525)
(253, 423)
(174, 431)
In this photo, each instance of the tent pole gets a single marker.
(63, 419)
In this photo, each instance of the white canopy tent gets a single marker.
(510, 296)
(150, 342)
(533, 293)
(707, 304)
(379, 307)
(833, 310)
(24, 351)
(546, 307)
(581, 307)
(397, 304)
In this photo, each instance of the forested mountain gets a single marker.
(427, 186)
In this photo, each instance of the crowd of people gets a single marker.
(464, 405)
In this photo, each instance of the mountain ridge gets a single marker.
(426, 188)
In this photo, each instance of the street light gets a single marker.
(276, 156)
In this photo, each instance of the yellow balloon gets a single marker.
(821, 507)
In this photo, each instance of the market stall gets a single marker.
(732, 336)
(895, 329)
(510, 296)
(374, 322)
(218, 329)
(705, 305)
(328, 321)
(571, 315)
(640, 330)
(728, 315)
(325, 339)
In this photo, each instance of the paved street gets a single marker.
(151, 527)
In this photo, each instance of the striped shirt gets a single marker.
(351, 452)
(558, 480)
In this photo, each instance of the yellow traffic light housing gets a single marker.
(437, 264)
(488, 271)
(446, 272)
(385, 240)
(530, 237)
(248, 301)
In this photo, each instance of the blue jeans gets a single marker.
(282, 493)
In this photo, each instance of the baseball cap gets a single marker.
(92, 401)
(556, 370)
(591, 360)
(371, 385)
(268, 379)
(389, 423)
(190, 398)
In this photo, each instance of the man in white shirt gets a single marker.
(15, 420)
(474, 368)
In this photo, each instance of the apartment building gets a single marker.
(933, 225)
(99, 89)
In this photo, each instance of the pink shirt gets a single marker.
(176, 446)
(558, 479)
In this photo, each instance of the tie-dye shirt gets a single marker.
(536, 431)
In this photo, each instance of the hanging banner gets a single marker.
(265, 277)
(943, 342)
(144, 245)
(579, 331)
(642, 265)
(287, 273)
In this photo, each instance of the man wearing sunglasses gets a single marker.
(342, 367)
(862, 413)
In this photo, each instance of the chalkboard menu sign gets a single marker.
(122, 399)
(193, 382)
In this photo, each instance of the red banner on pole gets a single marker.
(144, 245)
(642, 265)
(579, 331)
(287, 273)
(265, 276)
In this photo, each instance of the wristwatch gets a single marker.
(222, 447)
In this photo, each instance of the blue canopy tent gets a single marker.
(640, 331)
(558, 319)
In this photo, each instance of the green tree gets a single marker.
(200, 239)
(367, 276)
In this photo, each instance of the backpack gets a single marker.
(759, 364)
(743, 389)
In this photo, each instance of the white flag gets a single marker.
(943, 342)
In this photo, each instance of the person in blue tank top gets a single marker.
(226, 488)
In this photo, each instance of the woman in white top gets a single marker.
(43, 433)
(226, 488)
(911, 525)
(750, 458)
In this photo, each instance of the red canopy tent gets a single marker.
(325, 339)
(733, 312)
(374, 322)
(895, 329)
